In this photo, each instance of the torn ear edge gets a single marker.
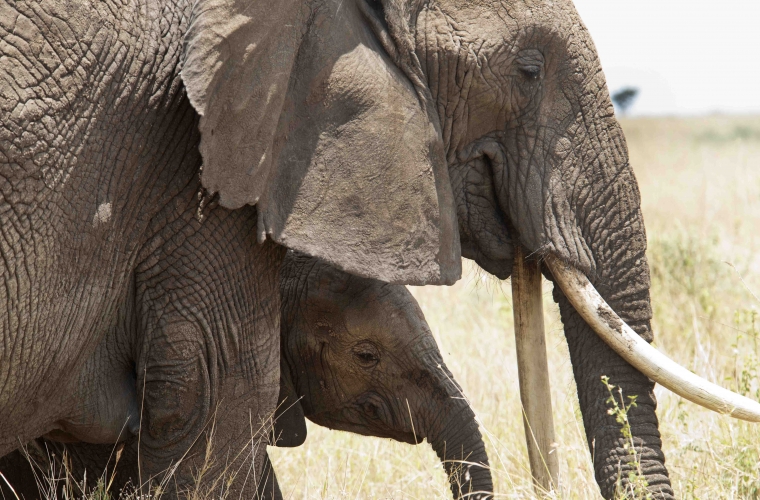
(289, 427)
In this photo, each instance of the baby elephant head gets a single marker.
(357, 355)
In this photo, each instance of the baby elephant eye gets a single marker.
(366, 355)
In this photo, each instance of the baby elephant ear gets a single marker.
(289, 429)
(310, 111)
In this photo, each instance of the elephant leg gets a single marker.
(37, 470)
(208, 355)
(27, 470)
(41, 468)
(23, 469)
(199, 417)
(269, 488)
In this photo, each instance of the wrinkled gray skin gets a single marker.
(358, 129)
(356, 355)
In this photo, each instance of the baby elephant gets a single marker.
(356, 355)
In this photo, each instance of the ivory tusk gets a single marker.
(637, 351)
(533, 373)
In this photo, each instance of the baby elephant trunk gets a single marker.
(460, 447)
(455, 437)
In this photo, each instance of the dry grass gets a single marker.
(700, 186)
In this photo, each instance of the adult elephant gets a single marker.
(385, 137)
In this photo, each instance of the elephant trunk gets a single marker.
(615, 461)
(456, 439)
(612, 254)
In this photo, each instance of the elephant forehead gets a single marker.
(482, 20)
(389, 316)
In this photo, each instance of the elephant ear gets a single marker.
(238, 56)
(316, 112)
(289, 428)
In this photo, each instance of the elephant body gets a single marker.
(102, 239)
(157, 157)
(356, 355)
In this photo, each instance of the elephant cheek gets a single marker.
(484, 233)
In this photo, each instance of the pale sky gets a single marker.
(686, 57)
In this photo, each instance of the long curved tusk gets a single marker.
(642, 356)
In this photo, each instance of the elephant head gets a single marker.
(357, 355)
(391, 137)
(536, 158)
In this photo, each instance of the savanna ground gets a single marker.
(700, 188)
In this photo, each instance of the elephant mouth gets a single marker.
(639, 353)
(499, 267)
(354, 420)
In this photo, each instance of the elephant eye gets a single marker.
(531, 71)
(530, 62)
(366, 355)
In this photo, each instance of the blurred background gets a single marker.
(684, 57)
(686, 80)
